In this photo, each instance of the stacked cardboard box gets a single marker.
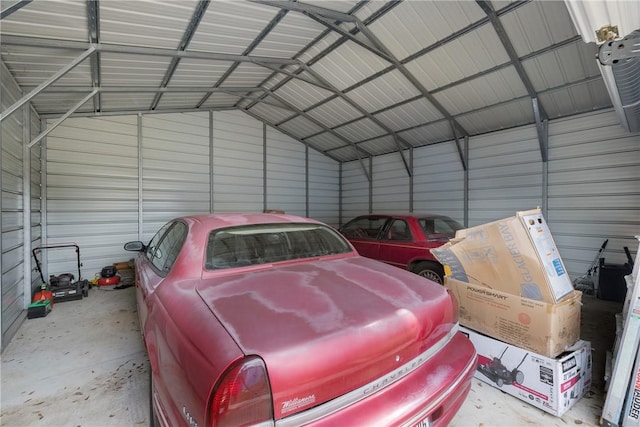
(547, 329)
(516, 299)
(511, 283)
(515, 255)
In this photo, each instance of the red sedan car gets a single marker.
(403, 240)
(266, 319)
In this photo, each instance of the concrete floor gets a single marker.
(84, 365)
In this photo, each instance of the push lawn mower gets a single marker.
(499, 374)
(64, 287)
(586, 283)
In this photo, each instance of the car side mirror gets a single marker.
(135, 246)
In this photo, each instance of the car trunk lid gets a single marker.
(326, 327)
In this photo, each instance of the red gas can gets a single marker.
(43, 294)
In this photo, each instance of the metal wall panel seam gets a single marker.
(43, 196)
(466, 182)
(140, 180)
(411, 179)
(211, 155)
(264, 166)
(340, 193)
(2, 343)
(370, 184)
(26, 205)
(306, 177)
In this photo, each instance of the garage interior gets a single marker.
(118, 116)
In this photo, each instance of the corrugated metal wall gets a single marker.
(324, 188)
(238, 163)
(92, 191)
(438, 181)
(355, 191)
(592, 184)
(594, 189)
(505, 174)
(17, 223)
(98, 169)
(286, 174)
(390, 184)
(36, 198)
(175, 168)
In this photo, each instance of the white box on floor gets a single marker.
(551, 384)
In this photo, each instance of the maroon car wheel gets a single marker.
(429, 270)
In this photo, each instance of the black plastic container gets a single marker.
(611, 283)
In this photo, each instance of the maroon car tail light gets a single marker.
(242, 396)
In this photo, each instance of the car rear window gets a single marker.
(267, 243)
(439, 225)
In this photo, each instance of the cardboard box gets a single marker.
(516, 255)
(547, 329)
(551, 384)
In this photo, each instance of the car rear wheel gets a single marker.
(429, 270)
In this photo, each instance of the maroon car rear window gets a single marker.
(267, 243)
(439, 225)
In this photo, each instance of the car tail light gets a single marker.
(243, 396)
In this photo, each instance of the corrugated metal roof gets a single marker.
(351, 79)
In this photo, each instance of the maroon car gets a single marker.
(402, 240)
(267, 319)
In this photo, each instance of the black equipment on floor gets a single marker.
(64, 287)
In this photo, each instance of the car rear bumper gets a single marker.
(430, 395)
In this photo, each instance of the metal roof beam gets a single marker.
(321, 36)
(553, 89)
(147, 89)
(543, 131)
(139, 50)
(313, 120)
(457, 142)
(136, 112)
(357, 107)
(298, 76)
(472, 27)
(12, 8)
(539, 112)
(196, 18)
(265, 31)
(332, 132)
(47, 83)
(348, 35)
(63, 118)
(93, 22)
(508, 46)
(323, 16)
(407, 74)
(257, 117)
(308, 9)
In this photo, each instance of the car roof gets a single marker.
(406, 215)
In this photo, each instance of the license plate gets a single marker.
(424, 423)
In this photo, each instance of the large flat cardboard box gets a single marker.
(551, 384)
(543, 328)
(516, 255)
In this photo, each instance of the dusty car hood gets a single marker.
(326, 327)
